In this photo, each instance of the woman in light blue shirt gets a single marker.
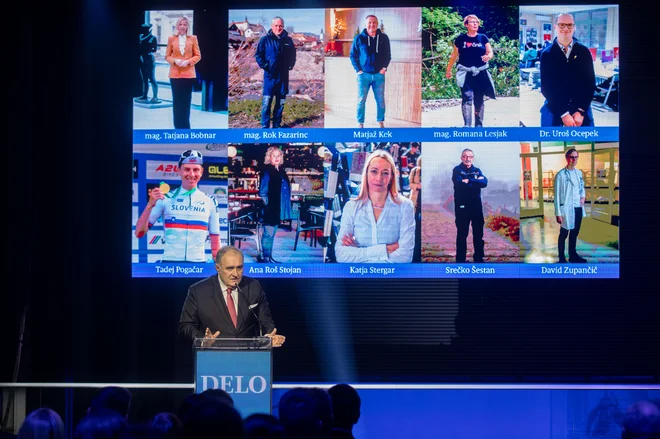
(379, 225)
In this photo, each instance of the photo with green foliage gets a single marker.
(442, 25)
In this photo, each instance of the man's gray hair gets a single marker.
(224, 250)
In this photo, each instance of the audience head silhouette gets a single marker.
(112, 398)
(42, 423)
(102, 423)
(219, 395)
(642, 421)
(263, 426)
(188, 403)
(212, 419)
(165, 425)
(324, 404)
(346, 406)
(300, 413)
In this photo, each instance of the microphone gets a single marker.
(245, 299)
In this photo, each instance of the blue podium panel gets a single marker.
(244, 374)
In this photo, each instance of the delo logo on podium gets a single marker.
(235, 384)
(245, 374)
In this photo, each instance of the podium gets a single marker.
(242, 367)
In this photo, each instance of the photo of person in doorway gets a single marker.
(276, 202)
(569, 202)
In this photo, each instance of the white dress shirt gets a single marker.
(396, 223)
(182, 44)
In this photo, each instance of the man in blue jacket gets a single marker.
(370, 56)
(276, 55)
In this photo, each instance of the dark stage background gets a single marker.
(70, 157)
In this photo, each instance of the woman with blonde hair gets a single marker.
(275, 192)
(379, 225)
(182, 54)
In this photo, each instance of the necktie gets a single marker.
(565, 50)
(232, 307)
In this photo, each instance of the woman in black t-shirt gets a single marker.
(473, 52)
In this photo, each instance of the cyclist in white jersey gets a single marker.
(188, 214)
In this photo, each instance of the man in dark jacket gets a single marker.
(228, 304)
(276, 55)
(468, 181)
(370, 56)
(148, 46)
(568, 80)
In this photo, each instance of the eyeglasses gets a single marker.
(467, 156)
(574, 157)
(566, 25)
(473, 22)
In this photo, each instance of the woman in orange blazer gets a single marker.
(182, 54)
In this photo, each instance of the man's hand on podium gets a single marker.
(277, 339)
(209, 335)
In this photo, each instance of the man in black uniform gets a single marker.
(148, 45)
(468, 181)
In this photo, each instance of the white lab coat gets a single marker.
(564, 192)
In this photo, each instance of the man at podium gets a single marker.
(228, 305)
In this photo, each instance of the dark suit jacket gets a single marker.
(342, 434)
(567, 84)
(206, 308)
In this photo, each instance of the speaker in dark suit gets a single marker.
(227, 305)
